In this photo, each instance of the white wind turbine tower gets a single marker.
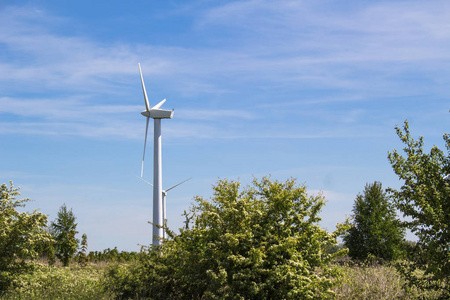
(164, 195)
(156, 114)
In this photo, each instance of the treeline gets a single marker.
(113, 255)
(264, 241)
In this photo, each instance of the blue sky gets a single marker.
(303, 89)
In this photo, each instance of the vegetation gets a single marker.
(81, 256)
(257, 242)
(53, 282)
(64, 231)
(425, 199)
(113, 255)
(21, 233)
(372, 281)
(375, 231)
(262, 242)
(359, 282)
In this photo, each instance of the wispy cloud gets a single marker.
(332, 30)
(37, 56)
(209, 115)
(73, 116)
(371, 50)
(287, 42)
(320, 43)
(61, 109)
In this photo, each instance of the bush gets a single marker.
(424, 198)
(49, 282)
(21, 234)
(263, 242)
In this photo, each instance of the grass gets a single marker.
(54, 282)
(377, 282)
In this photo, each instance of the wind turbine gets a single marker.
(157, 114)
(164, 195)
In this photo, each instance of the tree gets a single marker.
(64, 231)
(376, 232)
(82, 257)
(262, 242)
(20, 234)
(424, 198)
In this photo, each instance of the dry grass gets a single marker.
(376, 282)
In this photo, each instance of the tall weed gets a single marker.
(377, 282)
(49, 282)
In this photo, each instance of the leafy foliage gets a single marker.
(263, 242)
(113, 255)
(376, 232)
(64, 231)
(20, 234)
(359, 282)
(425, 199)
(51, 282)
(82, 258)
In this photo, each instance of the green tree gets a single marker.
(424, 198)
(64, 231)
(375, 231)
(21, 233)
(262, 242)
(82, 256)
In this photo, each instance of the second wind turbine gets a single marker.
(156, 114)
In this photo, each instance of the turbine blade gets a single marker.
(159, 104)
(178, 184)
(147, 105)
(144, 180)
(145, 144)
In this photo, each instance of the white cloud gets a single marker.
(290, 43)
(314, 25)
(61, 109)
(202, 114)
(303, 42)
(362, 52)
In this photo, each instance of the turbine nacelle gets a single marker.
(158, 113)
(155, 112)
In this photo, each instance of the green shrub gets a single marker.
(49, 282)
(424, 200)
(263, 242)
(21, 235)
